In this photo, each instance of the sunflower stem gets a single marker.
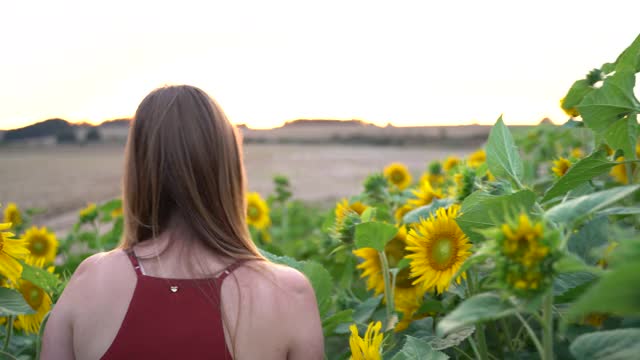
(532, 335)
(97, 233)
(474, 347)
(482, 342)
(9, 332)
(547, 326)
(388, 289)
(507, 334)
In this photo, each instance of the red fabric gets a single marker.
(161, 324)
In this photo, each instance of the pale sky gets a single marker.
(266, 62)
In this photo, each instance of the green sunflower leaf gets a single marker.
(616, 293)
(416, 349)
(321, 282)
(576, 93)
(629, 59)
(40, 278)
(620, 344)
(620, 210)
(611, 103)
(580, 173)
(374, 234)
(13, 303)
(478, 308)
(481, 211)
(424, 212)
(452, 339)
(503, 158)
(591, 235)
(623, 134)
(362, 313)
(572, 210)
(331, 322)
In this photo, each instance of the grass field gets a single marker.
(64, 178)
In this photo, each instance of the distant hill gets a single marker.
(325, 122)
(51, 127)
(115, 122)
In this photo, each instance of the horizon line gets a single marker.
(284, 123)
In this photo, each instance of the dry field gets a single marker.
(64, 178)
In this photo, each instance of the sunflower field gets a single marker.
(526, 248)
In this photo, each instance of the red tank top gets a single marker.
(172, 319)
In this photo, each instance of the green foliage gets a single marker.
(12, 303)
(481, 211)
(503, 158)
(40, 278)
(479, 308)
(416, 349)
(424, 212)
(374, 235)
(581, 172)
(621, 344)
(580, 207)
(591, 236)
(616, 293)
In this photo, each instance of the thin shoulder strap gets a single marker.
(228, 270)
(134, 261)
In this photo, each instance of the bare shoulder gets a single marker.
(95, 275)
(101, 266)
(276, 280)
(276, 304)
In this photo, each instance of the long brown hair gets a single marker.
(184, 159)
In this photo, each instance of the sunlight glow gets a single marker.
(405, 62)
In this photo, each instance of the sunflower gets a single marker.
(407, 301)
(477, 158)
(398, 175)
(344, 207)
(371, 267)
(437, 247)
(257, 211)
(606, 256)
(39, 301)
(525, 252)
(12, 214)
(424, 195)
(595, 319)
(523, 242)
(619, 172)
(572, 112)
(116, 212)
(89, 213)
(42, 246)
(367, 348)
(10, 251)
(450, 163)
(577, 153)
(401, 212)
(561, 166)
(434, 179)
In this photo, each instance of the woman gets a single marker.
(186, 282)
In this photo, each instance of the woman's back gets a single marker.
(103, 311)
(185, 211)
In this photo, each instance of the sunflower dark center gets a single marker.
(33, 296)
(254, 212)
(395, 251)
(39, 246)
(397, 176)
(442, 253)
